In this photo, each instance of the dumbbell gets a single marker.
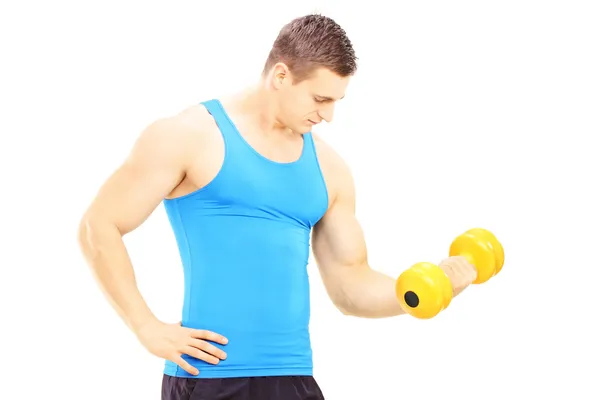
(424, 290)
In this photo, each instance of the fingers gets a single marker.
(460, 272)
(185, 365)
(472, 273)
(207, 348)
(200, 355)
(198, 348)
(208, 335)
(463, 267)
(468, 269)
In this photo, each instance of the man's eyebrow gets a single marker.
(328, 98)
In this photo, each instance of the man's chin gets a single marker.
(300, 130)
(307, 127)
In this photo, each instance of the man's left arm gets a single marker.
(340, 252)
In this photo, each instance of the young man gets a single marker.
(245, 183)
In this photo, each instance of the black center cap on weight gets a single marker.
(411, 299)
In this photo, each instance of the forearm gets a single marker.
(104, 250)
(364, 292)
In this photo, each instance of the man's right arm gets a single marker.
(155, 166)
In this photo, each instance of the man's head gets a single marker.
(308, 70)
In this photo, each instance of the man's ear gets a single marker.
(281, 75)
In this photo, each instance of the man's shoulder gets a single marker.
(192, 119)
(175, 135)
(179, 128)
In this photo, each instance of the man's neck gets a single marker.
(259, 106)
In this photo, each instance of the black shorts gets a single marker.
(253, 388)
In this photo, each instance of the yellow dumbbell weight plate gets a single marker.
(494, 242)
(481, 248)
(423, 290)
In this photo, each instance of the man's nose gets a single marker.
(326, 113)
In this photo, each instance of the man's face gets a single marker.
(305, 104)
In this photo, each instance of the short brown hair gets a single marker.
(312, 41)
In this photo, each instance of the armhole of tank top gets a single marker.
(313, 147)
(213, 111)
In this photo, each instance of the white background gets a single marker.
(462, 114)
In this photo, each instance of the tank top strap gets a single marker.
(309, 142)
(222, 120)
(310, 151)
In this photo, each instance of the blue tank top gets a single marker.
(244, 245)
